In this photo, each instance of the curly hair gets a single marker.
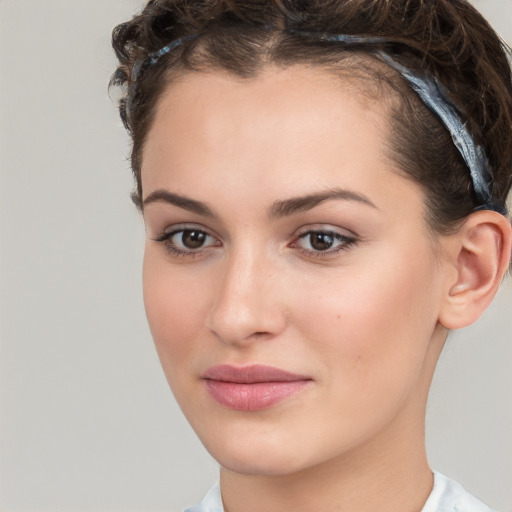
(448, 39)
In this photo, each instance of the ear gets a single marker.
(479, 256)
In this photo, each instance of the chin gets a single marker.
(261, 465)
(257, 458)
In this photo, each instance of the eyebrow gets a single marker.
(279, 209)
(165, 196)
(304, 203)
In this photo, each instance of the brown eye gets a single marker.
(321, 241)
(188, 242)
(324, 242)
(193, 239)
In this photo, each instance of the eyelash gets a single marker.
(345, 243)
(166, 240)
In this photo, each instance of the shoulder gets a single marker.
(449, 496)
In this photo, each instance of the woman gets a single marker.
(323, 186)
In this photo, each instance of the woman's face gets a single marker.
(290, 282)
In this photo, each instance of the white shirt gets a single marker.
(446, 496)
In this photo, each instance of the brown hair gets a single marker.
(448, 39)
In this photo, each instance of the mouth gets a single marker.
(252, 388)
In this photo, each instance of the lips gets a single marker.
(252, 388)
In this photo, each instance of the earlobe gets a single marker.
(480, 256)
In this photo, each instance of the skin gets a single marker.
(363, 322)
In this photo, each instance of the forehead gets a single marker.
(360, 79)
(280, 118)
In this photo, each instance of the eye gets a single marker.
(319, 241)
(323, 242)
(189, 239)
(187, 242)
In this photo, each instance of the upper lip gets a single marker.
(250, 374)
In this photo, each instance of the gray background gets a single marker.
(87, 422)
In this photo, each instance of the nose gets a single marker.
(246, 306)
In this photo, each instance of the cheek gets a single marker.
(373, 322)
(175, 304)
(368, 332)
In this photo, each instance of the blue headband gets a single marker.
(428, 88)
(142, 64)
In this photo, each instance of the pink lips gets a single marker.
(251, 388)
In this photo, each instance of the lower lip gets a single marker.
(255, 396)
